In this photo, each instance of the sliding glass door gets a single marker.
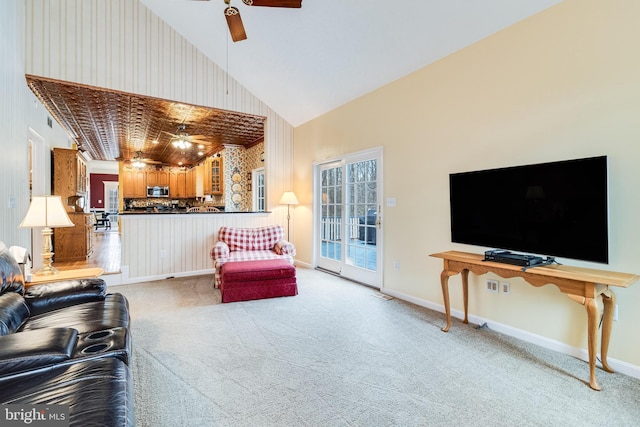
(349, 217)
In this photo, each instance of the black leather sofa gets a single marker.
(65, 343)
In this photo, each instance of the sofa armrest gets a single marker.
(284, 247)
(220, 251)
(29, 350)
(13, 313)
(52, 296)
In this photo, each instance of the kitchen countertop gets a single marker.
(181, 211)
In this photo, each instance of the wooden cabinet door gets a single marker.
(217, 176)
(134, 183)
(81, 175)
(157, 177)
(140, 183)
(206, 179)
(177, 183)
(182, 184)
(127, 183)
(163, 178)
(173, 183)
(65, 166)
(190, 190)
(152, 178)
(72, 243)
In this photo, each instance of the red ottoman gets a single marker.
(249, 280)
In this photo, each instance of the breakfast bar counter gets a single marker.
(157, 245)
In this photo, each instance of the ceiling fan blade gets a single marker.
(274, 3)
(235, 24)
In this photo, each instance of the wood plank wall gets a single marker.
(160, 245)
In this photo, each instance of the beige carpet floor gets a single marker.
(335, 355)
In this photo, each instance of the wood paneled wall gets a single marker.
(156, 246)
(14, 134)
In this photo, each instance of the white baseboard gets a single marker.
(123, 277)
(298, 263)
(580, 353)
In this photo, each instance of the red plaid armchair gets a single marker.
(248, 244)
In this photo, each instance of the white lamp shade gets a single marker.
(46, 211)
(288, 198)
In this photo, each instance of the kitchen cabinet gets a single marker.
(134, 182)
(181, 182)
(73, 243)
(82, 178)
(70, 179)
(191, 183)
(69, 174)
(157, 177)
(178, 183)
(213, 176)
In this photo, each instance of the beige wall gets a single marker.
(562, 84)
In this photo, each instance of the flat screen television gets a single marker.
(557, 209)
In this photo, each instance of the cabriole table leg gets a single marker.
(465, 294)
(444, 281)
(592, 339)
(609, 302)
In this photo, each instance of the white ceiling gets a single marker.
(305, 62)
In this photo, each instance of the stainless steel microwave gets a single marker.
(158, 191)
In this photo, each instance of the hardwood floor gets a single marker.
(105, 253)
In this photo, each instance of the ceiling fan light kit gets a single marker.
(274, 3)
(137, 161)
(234, 22)
(181, 144)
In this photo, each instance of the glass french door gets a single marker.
(349, 223)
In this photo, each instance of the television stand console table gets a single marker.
(582, 285)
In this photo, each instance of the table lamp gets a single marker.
(47, 212)
(288, 198)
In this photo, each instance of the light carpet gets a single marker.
(336, 356)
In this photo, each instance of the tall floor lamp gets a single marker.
(288, 198)
(47, 212)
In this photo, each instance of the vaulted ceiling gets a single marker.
(305, 62)
(301, 62)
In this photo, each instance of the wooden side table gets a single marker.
(582, 285)
(80, 273)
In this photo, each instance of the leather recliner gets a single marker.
(65, 343)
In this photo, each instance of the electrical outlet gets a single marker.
(163, 253)
(492, 285)
(506, 287)
(396, 265)
(615, 313)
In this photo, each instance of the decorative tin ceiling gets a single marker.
(113, 125)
